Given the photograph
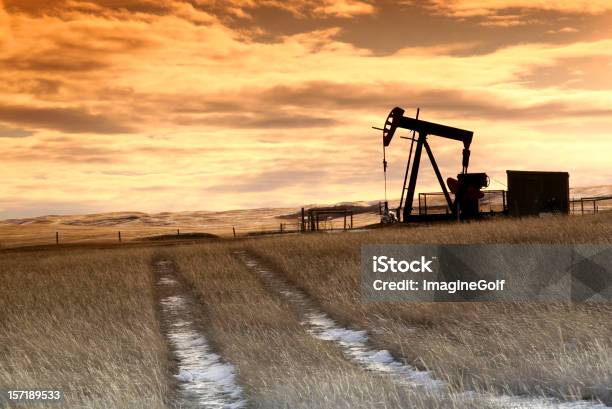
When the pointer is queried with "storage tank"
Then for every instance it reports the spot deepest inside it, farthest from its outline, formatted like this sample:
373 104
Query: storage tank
531 193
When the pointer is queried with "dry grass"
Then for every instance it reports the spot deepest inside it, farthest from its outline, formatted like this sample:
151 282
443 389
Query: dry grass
83 322
281 365
555 349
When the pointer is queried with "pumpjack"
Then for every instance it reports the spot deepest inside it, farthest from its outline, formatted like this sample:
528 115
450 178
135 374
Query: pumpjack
466 188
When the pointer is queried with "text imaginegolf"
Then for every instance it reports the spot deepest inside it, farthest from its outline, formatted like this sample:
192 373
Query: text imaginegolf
450 287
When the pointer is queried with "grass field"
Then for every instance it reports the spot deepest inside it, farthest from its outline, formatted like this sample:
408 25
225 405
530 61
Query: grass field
555 349
281 365
85 320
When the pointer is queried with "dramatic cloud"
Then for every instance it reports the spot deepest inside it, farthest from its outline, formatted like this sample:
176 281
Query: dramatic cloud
344 8
469 8
191 104
6 132
273 180
451 102
572 73
71 120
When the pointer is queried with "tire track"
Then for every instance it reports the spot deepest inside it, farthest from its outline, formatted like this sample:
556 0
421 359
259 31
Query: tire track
204 380
355 345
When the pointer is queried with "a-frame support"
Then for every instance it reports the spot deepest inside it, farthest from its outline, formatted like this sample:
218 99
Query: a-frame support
422 142
413 176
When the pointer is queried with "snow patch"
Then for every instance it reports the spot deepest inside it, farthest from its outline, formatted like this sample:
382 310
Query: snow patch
204 379
352 342
167 281
354 345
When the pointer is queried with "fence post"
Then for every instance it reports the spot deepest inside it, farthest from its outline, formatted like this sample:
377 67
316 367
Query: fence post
56 237
178 232
234 230
281 228
119 235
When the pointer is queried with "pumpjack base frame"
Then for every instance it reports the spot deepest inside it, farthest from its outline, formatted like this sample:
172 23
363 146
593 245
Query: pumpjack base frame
439 217
416 218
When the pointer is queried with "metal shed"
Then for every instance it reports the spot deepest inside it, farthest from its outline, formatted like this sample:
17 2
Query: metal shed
531 193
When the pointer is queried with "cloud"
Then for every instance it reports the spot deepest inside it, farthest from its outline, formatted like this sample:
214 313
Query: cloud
8 132
392 26
344 8
249 97
125 173
564 30
457 103
471 8
197 11
34 208
126 159
49 63
262 120
69 153
309 8
269 180
586 73
57 7
70 120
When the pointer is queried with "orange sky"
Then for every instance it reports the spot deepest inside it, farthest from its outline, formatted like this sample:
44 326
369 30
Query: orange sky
185 105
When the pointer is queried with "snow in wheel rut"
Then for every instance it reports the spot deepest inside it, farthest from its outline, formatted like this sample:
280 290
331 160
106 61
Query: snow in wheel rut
356 347
203 379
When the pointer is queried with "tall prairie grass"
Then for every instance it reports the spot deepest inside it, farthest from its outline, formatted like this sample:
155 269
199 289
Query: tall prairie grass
562 349
83 322
280 364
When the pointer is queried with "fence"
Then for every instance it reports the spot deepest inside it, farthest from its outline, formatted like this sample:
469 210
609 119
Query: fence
283 228
322 218
494 201
591 205
71 235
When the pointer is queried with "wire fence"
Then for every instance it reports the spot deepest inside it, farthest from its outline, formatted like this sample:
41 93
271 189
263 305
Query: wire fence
591 205
12 236
493 201
429 203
